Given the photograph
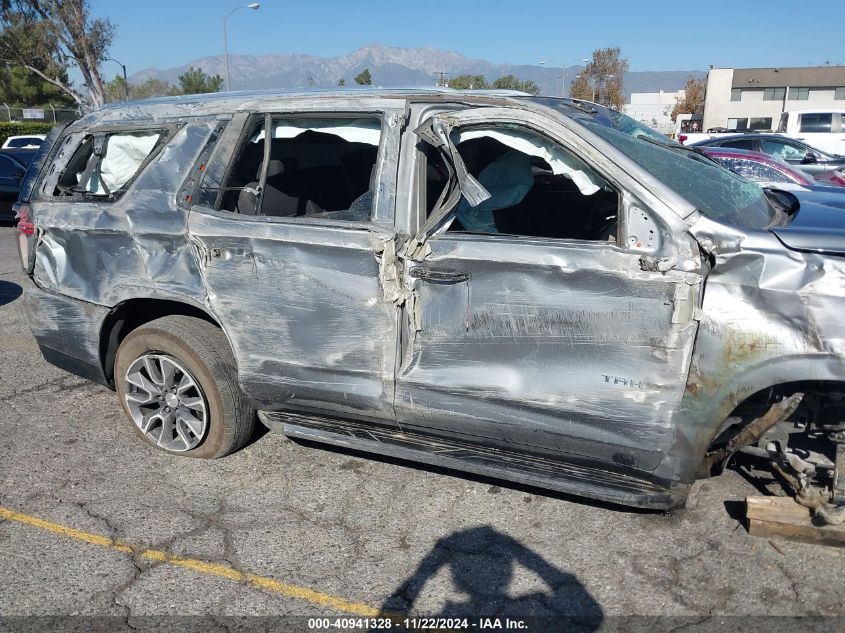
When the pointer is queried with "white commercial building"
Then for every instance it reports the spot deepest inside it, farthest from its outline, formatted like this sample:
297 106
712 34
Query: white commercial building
654 108
754 98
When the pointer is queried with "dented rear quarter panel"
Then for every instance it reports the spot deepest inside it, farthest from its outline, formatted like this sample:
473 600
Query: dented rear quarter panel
108 252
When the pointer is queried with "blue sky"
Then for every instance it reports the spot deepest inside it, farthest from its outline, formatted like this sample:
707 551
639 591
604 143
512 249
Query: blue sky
657 35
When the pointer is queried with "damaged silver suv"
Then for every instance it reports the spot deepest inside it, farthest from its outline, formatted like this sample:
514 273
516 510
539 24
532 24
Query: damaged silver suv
541 290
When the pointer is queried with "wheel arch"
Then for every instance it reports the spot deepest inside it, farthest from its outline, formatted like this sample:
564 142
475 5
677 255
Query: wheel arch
709 403
131 314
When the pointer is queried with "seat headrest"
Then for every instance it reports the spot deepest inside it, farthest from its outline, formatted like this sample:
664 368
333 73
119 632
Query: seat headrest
276 168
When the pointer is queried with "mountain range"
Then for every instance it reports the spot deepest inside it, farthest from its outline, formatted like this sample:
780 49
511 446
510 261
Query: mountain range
393 67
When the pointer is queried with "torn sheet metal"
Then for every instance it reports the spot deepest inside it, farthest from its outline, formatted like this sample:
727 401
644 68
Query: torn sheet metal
390 268
770 316
436 131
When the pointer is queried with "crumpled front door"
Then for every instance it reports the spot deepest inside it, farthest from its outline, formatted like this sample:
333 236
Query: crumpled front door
547 345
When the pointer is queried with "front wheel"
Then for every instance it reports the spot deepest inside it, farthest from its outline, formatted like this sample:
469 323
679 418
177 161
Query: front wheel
177 382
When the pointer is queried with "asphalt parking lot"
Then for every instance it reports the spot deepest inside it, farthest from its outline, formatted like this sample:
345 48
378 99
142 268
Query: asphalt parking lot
94 523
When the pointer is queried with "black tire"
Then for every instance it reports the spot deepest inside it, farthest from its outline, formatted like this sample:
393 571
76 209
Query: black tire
203 350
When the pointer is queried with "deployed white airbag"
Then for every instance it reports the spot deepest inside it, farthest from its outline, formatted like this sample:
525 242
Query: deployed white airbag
124 155
559 160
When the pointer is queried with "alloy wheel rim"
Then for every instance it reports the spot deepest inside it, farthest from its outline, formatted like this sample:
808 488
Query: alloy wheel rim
166 402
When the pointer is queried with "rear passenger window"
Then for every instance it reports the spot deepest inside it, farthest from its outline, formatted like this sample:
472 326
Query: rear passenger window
105 163
313 167
816 122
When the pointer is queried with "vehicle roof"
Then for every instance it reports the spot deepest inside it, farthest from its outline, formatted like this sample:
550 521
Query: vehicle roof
363 91
219 102
215 104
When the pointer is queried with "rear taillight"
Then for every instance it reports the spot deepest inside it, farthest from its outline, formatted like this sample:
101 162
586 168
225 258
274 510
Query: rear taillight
27 236
25 226
682 139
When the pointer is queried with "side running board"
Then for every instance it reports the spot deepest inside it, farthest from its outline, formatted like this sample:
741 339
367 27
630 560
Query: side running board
566 477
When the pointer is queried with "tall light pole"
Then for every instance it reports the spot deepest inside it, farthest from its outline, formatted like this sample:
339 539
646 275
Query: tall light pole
543 62
125 81
252 5
603 79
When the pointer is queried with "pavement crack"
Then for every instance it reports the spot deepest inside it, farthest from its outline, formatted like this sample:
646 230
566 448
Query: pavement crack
686 625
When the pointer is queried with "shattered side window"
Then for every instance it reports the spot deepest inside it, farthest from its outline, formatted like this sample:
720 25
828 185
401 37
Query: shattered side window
714 190
321 167
105 163
536 188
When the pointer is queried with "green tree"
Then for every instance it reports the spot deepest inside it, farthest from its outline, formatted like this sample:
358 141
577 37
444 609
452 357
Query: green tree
468 82
603 78
21 87
693 100
151 88
341 82
116 89
511 82
47 36
144 90
194 81
580 88
364 78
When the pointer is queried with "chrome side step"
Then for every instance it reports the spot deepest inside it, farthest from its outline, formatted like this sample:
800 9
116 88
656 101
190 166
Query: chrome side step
567 477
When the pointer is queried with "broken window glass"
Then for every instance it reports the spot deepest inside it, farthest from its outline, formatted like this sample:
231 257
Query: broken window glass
714 190
315 167
105 163
537 188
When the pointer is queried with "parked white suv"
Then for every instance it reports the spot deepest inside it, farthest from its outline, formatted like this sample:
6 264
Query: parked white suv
824 129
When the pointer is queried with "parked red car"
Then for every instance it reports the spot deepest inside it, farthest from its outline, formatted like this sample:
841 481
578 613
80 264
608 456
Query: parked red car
834 177
758 167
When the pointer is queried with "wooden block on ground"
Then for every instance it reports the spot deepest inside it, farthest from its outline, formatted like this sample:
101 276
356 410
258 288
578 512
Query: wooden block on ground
786 518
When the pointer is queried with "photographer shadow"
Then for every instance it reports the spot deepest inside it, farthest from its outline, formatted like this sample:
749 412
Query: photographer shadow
9 292
482 564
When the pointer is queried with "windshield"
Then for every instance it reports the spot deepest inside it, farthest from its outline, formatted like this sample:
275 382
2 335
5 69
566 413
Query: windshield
713 189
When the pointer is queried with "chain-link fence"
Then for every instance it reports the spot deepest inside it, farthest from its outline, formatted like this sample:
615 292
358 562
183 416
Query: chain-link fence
41 114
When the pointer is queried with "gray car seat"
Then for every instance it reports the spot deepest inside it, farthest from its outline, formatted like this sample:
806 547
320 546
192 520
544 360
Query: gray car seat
275 202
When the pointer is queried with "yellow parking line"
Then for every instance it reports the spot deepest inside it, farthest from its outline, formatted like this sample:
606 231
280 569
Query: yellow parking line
203 567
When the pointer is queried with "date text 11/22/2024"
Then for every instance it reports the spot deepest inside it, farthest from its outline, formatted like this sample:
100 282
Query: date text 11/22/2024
415 624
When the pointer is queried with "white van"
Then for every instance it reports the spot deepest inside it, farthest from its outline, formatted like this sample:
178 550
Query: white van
823 129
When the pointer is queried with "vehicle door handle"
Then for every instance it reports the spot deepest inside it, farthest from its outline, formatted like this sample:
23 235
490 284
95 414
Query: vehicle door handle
435 275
